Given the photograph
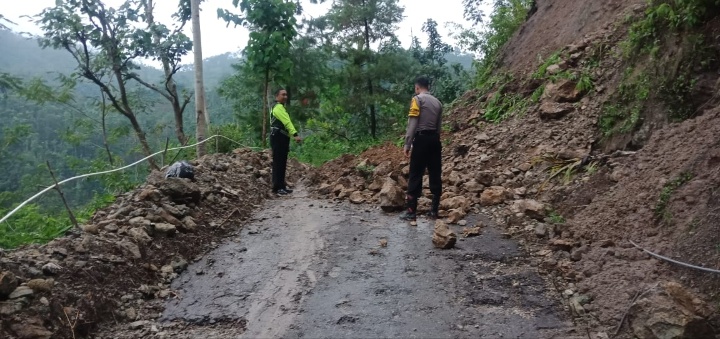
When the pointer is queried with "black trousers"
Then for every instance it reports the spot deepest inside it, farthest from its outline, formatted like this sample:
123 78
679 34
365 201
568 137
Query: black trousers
426 153
280 144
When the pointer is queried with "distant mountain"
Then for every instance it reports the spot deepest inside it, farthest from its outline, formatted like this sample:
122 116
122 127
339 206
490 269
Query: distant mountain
23 57
463 59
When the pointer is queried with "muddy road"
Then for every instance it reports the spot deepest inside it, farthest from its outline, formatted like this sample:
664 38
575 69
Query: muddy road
306 268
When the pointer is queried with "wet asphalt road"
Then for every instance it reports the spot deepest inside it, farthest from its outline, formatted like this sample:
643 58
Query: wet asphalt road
307 268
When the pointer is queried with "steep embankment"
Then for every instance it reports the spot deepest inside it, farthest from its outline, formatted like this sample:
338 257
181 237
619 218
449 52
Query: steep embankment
598 130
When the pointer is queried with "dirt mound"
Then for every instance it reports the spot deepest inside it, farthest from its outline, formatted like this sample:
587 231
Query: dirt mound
558 23
131 250
361 175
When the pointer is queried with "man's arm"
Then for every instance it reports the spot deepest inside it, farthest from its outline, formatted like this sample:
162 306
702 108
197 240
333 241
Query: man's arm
413 121
281 114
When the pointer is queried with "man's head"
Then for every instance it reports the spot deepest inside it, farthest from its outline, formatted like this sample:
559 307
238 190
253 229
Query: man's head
281 96
422 84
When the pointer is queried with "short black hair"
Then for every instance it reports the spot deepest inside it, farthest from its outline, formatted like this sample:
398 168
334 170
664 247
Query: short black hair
277 91
423 82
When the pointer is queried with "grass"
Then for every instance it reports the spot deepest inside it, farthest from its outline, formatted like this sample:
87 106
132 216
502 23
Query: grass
623 115
542 70
366 170
30 225
555 218
661 208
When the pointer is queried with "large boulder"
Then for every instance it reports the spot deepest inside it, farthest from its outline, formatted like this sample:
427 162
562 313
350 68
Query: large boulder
493 196
564 90
532 208
392 197
551 110
180 190
670 311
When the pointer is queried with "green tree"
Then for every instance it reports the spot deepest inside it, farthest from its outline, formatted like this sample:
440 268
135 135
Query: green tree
105 45
358 24
169 46
436 48
272 26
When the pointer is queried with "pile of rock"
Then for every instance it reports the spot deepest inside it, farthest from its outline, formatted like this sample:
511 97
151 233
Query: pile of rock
130 251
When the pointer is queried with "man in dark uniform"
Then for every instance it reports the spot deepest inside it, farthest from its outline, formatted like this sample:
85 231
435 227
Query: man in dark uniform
281 128
423 147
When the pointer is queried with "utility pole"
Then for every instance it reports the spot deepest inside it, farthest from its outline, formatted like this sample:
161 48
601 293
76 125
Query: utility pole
201 114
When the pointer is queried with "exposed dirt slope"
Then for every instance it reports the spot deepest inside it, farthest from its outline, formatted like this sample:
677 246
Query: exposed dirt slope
557 23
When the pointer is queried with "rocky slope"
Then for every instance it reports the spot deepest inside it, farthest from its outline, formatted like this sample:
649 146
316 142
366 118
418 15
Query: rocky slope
129 253
577 190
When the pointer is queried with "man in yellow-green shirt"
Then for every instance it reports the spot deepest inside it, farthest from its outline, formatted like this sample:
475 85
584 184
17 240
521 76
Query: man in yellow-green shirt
281 129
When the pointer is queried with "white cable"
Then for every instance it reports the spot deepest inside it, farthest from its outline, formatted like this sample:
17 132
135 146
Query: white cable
108 171
675 261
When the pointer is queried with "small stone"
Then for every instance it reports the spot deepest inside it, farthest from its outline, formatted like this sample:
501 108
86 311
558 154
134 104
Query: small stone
8 283
130 313
10 307
541 230
607 243
51 268
462 222
165 229
138 324
189 224
443 237
41 285
92 229
21 291
357 197
471 232
179 265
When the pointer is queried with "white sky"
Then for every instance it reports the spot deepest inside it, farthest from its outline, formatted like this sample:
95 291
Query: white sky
219 39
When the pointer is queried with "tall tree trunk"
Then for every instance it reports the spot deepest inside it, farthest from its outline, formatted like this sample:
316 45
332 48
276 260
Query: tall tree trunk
104 129
202 116
170 85
143 140
373 117
128 113
265 107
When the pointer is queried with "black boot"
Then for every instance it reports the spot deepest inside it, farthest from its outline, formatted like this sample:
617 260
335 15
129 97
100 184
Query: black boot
410 209
435 207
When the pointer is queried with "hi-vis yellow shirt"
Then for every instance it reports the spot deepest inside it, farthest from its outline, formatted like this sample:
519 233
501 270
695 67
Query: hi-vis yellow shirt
282 115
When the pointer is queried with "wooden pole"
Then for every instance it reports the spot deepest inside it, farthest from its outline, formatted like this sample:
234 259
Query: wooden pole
62 196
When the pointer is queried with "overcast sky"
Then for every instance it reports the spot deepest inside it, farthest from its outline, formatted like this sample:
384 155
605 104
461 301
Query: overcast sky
218 39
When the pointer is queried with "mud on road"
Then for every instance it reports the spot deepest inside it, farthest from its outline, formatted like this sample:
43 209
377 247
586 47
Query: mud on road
306 268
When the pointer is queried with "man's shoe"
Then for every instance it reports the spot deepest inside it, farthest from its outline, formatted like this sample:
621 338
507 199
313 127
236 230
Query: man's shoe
409 216
432 215
282 191
288 190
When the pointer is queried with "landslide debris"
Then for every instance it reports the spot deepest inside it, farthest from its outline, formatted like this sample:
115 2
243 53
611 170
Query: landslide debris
129 252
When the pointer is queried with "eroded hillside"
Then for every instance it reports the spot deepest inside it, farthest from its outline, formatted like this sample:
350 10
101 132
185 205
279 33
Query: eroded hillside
596 132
